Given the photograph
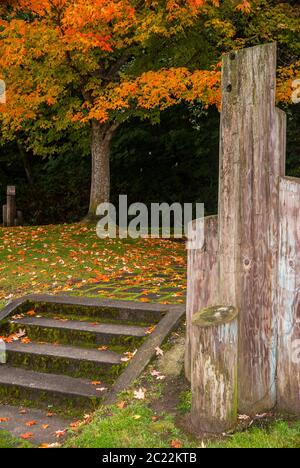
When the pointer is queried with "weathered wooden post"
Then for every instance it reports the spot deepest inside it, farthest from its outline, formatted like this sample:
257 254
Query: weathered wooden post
252 159
288 367
251 256
202 281
4 215
11 210
10 215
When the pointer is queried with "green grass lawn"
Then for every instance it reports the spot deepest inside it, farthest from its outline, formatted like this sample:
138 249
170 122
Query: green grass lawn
7 441
280 434
136 426
132 427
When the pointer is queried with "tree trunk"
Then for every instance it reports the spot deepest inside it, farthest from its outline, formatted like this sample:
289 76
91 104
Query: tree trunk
100 148
26 164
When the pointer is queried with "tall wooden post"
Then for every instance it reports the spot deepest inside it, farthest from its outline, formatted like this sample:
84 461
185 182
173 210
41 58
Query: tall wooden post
251 161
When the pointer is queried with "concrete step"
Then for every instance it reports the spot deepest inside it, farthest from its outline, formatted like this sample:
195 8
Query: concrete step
70 360
135 313
46 388
48 329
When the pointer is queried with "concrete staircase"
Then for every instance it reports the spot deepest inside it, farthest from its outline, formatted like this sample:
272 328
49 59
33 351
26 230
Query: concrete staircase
76 352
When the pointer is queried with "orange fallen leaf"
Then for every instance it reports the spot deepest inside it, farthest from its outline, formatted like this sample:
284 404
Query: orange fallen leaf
176 444
31 423
45 426
121 405
59 434
30 313
4 420
150 330
25 340
26 436
74 425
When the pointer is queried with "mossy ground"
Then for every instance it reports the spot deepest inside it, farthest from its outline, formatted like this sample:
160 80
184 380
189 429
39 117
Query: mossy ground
72 259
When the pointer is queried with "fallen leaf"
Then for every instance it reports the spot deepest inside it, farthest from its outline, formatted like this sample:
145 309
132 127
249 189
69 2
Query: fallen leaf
30 423
176 444
139 394
25 340
31 313
26 436
87 418
263 415
128 356
243 417
74 425
158 375
59 434
46 446
122 404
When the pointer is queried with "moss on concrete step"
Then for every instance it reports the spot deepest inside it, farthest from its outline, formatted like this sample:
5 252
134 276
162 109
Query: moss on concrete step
65 360
30 388
64 332
114 311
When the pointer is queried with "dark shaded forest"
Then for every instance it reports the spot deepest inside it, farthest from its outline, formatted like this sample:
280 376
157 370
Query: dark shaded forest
174 161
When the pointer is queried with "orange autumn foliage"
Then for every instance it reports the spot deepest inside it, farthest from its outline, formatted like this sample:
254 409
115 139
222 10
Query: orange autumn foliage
69 43
50 47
